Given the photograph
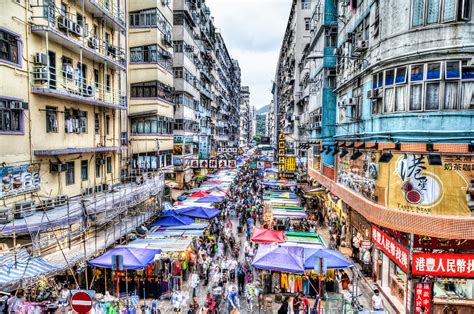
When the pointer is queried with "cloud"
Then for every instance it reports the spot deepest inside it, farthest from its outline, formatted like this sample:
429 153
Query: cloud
253 31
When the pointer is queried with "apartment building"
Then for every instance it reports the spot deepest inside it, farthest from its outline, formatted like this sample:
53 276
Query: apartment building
399 166
63 130
244 116
150 77
289 99
206 88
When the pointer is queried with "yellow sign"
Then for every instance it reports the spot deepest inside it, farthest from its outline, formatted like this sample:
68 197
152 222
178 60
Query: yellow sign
290 163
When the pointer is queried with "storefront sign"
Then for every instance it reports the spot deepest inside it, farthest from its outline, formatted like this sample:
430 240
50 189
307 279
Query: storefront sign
267 164
427 242
394 251
212 163
290 163
281 153
253 164
408 182
443 264
422 298
19 179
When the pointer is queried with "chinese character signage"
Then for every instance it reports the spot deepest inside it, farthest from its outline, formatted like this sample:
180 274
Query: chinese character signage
409 183
213 163
203 164
232 164
19 179
222 163
427 242
194 163
443 264
396 252
290 163
422 298
267 165
253 164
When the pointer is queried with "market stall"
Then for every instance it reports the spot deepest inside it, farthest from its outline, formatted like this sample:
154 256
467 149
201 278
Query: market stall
262 235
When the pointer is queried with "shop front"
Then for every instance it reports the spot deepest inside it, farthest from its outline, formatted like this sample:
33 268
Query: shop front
450 277
390 260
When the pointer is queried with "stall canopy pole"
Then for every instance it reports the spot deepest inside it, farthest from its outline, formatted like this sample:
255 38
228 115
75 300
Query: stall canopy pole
319 287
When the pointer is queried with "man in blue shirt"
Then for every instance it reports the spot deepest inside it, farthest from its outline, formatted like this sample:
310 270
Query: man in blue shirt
233 299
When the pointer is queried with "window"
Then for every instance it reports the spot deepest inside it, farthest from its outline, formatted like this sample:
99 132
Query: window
84 170
9 47
150 18
107 125
75 121
70 173
96 79
11 120
401 76
305 4
389 77
63 10
432 96
152 125
51 120
97 168
451 95
428 12
97 123
151 54
433 71
416 92
151 89
109 164
416 72
453 70
307 24
107 82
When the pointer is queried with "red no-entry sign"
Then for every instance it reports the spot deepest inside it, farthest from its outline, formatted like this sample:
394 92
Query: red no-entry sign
81 302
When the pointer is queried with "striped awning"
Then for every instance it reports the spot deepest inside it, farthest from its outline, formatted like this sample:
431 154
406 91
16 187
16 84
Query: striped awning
26 268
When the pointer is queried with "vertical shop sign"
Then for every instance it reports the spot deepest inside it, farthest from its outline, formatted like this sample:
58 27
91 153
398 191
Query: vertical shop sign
422 298
393 249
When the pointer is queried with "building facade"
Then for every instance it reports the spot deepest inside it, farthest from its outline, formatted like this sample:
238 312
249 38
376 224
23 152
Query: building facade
206 88
150 78
245 119
394 148
64 106
289 92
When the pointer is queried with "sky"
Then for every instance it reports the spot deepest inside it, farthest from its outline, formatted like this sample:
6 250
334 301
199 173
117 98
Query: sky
253 32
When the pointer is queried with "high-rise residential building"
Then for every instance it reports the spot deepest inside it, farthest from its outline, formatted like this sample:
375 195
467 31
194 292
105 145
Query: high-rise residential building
63 130
150 77
290 98
245 119
206 88
399 171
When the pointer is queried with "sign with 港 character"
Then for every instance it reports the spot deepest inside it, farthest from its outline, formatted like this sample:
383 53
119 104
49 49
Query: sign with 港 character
232 164
222 163
212 164
443 265
422 298
203 163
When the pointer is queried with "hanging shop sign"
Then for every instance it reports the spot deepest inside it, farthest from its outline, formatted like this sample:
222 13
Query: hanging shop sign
19 179
408 182
422 298
213 163
227 149
393 249
443 264
290 163
267 165
281 152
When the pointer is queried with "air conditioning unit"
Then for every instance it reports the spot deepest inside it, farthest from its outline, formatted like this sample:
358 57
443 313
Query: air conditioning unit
18 105
68 71
351 102
88 91
361 45
165 2
57 167
350 37
167 39
373 94
64 23
5 215
46 204
40 74
93 42
317 124
99 188
24 209
76 29
100 161
88 191
196 128
341 104
167 54
61 200
41 59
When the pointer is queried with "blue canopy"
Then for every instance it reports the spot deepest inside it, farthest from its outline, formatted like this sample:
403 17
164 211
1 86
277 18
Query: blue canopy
199 212
171 219
279 258
210 199
133 258
334 259
271 171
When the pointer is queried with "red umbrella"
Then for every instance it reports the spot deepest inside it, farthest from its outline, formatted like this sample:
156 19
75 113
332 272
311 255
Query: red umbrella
199 194
261 235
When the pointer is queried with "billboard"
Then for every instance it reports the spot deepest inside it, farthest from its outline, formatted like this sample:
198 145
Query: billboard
408 182
19 179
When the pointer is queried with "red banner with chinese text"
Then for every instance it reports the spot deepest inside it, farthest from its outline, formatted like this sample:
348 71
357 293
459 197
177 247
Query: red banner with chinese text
443 264
422 298
393 249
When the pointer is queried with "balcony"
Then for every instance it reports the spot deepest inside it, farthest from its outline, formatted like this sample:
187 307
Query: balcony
65 31
110 10
67 84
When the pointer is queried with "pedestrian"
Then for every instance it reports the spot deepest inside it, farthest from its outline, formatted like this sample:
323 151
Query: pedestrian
233 300
284 306
240 277
296 304
377 302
